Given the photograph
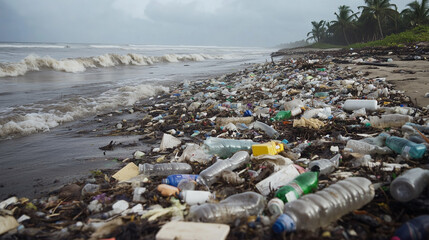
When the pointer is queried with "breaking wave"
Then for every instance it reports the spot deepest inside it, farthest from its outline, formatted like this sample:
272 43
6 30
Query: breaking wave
41 117
75 65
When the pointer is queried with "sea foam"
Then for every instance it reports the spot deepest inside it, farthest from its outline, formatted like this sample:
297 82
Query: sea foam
75 65
25 120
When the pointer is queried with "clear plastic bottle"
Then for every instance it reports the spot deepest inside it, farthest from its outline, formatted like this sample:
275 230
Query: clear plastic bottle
357 146
164 169
325 166
380 140
421 128
389 120
316 210
225 148
405 147
226 211
186 184
174 179
271 132
409 185
414 229
211 174
224 121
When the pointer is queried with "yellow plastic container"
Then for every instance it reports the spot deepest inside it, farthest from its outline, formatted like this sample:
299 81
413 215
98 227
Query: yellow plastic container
270 148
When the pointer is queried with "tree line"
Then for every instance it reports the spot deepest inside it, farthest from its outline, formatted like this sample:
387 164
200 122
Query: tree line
375 20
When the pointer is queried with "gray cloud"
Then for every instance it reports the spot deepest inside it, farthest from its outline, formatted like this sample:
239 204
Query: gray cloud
193 22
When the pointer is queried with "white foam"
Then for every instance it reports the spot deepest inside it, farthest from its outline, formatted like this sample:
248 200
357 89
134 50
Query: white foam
75 65
30 46
26 120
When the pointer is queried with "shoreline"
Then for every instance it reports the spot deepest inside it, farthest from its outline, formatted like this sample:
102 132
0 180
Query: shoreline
177 107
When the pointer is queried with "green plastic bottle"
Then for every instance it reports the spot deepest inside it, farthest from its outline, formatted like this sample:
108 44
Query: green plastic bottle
281 115
303 184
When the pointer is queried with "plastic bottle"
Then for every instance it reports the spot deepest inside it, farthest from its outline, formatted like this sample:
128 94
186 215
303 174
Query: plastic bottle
423 129
389 120
414 229
282 115
275 206
321 94
195 197
186 184
224 121
225 148
405 147
355 104
380 140
211 174
303 184
226 211
320 209
325 166
174 180
409 185
270 148
271 132
277 179
362 147
164 169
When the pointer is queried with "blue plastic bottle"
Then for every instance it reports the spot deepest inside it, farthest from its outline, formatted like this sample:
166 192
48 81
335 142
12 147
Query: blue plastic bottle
174 180
415 229
405 147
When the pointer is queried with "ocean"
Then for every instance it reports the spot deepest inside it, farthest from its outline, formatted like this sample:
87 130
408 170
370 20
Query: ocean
51 92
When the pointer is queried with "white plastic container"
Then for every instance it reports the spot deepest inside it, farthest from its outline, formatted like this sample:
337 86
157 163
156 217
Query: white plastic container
192 197
277 179
355 104
409 185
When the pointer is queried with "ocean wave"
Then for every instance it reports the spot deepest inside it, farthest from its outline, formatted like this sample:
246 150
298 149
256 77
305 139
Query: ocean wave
25 120
75 65
31 46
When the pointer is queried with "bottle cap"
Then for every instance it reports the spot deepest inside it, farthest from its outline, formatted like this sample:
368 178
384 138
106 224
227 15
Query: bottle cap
284 223
165 181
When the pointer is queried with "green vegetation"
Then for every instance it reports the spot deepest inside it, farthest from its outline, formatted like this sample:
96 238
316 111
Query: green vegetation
418 34
377 19
320 45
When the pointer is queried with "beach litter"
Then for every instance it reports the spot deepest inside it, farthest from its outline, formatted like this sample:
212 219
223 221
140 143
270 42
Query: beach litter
247 164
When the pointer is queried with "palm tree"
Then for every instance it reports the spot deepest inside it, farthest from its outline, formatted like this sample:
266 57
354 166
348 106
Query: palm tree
416 13
318 32
379 9
344 20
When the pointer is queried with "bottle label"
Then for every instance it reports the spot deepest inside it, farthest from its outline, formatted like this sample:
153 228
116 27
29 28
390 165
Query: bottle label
290 196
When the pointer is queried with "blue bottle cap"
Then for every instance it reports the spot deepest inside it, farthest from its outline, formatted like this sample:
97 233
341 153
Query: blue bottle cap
165 181
284 223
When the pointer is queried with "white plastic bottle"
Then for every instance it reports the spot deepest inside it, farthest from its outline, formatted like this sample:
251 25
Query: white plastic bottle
325 166
355 104
164 169
226 211
277 179
410 184
192 197
319 209
211 174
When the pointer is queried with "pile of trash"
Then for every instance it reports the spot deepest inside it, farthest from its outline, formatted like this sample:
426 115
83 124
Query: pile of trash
306 148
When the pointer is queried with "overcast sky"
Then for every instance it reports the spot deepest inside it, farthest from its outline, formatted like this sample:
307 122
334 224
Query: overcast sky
263 23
